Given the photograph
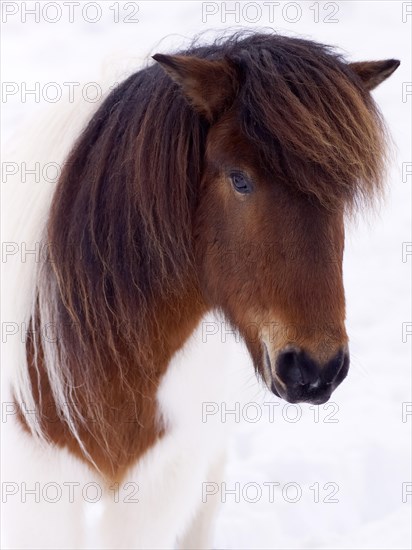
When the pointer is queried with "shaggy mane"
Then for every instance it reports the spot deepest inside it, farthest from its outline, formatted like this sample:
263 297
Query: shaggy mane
317 127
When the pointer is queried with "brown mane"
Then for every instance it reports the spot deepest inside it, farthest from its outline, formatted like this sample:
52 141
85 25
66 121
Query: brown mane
121 226
321 121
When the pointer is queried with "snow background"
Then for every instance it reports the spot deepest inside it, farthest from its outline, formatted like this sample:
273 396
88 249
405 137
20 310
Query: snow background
367 452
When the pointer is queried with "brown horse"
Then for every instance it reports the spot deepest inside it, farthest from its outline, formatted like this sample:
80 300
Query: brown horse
215 179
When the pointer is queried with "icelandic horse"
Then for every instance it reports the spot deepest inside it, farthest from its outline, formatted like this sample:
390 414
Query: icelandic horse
215 180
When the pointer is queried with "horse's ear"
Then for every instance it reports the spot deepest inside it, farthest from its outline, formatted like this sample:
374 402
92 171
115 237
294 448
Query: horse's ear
210 86
372 73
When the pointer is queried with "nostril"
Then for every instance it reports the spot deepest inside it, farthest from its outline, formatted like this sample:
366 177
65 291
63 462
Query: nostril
344 369
288 369
294 367
336 369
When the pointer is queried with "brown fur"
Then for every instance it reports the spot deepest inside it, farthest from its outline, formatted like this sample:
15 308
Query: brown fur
147 233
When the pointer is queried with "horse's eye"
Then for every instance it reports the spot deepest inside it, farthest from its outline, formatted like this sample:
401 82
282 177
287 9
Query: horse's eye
241 182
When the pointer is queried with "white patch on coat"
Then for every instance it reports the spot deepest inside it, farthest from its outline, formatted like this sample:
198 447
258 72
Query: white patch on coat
168 479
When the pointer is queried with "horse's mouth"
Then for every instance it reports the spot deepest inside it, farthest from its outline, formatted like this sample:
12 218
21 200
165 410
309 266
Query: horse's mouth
302 394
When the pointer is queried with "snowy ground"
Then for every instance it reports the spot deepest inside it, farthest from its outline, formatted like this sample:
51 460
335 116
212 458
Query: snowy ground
359 445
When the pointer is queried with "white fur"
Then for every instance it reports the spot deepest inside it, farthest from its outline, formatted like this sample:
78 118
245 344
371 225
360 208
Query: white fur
169 478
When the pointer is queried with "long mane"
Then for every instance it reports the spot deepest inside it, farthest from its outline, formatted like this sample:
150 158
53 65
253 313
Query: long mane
119 231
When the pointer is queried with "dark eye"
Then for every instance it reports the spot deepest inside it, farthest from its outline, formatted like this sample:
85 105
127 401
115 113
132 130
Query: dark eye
241 182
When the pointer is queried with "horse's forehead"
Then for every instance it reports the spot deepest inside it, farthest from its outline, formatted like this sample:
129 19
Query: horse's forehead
228 142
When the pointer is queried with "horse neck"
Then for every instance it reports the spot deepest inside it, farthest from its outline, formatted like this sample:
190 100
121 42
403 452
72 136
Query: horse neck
172 322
